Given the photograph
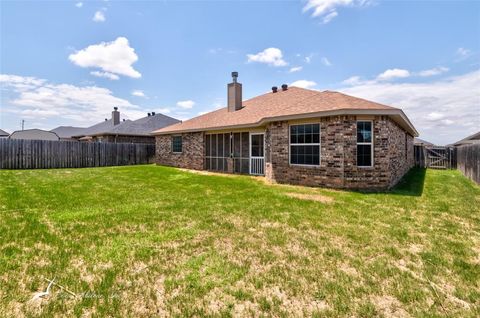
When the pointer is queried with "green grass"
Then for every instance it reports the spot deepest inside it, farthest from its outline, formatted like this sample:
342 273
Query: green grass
144 241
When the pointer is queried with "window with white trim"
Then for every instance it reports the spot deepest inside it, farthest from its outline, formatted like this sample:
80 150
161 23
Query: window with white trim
305 144
364 144
177 144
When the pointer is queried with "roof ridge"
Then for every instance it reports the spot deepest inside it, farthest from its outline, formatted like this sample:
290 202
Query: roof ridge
294 104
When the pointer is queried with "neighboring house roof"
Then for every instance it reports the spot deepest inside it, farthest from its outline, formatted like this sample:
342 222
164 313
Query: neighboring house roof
418 141
294 103
67 131
101 127
34 134
140 127
3 133
472 139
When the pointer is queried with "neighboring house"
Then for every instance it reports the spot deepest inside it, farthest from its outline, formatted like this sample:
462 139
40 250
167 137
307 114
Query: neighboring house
421 142
3 134
473 139
296 136
34 134
67 132
127 131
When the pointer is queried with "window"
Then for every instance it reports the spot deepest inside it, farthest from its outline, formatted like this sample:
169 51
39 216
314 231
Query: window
305 144
364 144
177 144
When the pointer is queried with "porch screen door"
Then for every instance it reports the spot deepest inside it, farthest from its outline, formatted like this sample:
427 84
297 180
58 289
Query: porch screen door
257 157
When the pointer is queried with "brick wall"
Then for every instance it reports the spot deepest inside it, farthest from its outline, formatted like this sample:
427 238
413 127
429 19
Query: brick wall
330 171
338 154
400 152
192 155
338 164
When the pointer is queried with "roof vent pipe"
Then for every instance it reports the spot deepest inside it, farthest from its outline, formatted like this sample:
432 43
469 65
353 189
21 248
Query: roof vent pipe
153 113
274 89
284 87
148 114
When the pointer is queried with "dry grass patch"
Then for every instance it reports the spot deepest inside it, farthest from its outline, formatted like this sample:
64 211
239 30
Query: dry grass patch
310 197
389 306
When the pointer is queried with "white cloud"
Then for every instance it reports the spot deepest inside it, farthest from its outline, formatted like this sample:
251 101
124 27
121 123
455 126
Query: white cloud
432 106
163 110
108 75
326 62
271 56
20 82
353 80
186 104
308 58
138 93
304 84
435 116
462 54
433 71
327 10
329 17
62 104
79 4
99 16
295 69
392 74
114 57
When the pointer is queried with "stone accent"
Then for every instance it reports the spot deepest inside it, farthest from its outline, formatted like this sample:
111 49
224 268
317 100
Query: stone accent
193 151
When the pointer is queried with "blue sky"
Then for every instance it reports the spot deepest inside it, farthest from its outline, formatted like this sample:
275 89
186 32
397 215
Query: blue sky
69 63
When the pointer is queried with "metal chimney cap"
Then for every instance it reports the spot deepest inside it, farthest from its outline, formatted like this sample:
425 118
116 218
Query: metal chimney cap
149 114
115 108
153 113
234 74
274 89
284 87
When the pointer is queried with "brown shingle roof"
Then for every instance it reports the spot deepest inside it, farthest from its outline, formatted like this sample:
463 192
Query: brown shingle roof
293 102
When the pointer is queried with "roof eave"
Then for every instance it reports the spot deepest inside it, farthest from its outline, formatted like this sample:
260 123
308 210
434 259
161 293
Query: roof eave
404 121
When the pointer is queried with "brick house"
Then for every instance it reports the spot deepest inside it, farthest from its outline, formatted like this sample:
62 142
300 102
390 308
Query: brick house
296 136
125 131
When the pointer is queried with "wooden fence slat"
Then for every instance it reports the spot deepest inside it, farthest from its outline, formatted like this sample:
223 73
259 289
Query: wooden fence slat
468 161
46 154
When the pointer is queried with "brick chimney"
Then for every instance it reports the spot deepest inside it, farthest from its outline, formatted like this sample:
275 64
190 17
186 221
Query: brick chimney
234 94
115 116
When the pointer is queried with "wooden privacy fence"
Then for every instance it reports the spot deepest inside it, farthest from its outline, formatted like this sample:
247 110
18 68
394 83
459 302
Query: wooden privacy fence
468 161
44 154
438 157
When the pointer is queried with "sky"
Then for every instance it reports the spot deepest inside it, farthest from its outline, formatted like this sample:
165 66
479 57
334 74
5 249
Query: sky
70 62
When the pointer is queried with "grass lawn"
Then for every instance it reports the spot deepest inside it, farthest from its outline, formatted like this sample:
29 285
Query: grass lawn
146 241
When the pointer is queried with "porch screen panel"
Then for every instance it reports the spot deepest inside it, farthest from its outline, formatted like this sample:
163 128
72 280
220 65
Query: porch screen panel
241 152
217 148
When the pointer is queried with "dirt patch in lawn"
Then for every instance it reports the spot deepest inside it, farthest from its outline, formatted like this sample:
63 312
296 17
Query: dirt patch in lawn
389 306
208 173
310 197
